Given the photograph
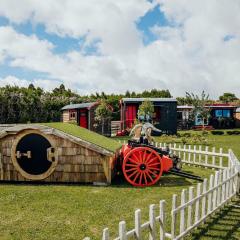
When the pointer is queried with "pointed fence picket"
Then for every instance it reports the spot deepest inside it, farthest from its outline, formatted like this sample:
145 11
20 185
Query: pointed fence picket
196 205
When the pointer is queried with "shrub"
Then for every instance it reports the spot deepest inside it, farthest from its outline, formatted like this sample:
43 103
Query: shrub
186 135
236 132
217 132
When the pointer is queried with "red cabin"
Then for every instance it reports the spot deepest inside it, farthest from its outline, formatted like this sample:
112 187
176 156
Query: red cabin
82 114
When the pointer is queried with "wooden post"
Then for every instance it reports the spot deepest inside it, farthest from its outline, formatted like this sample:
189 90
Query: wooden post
162 219
210 194
204 197
194 154
219 188
152 220
206 156
220 158
215 191
224 186
200 154
227 183
105 235
190 197
122 230
189 153
197 202
184 153
213 157
138 230
182 211
174 216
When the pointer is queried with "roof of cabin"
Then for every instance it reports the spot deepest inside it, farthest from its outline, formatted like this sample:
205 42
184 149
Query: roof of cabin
134 100
79 135
79 105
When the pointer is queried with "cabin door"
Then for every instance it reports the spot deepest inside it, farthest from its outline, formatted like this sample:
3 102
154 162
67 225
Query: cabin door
33 156
83 118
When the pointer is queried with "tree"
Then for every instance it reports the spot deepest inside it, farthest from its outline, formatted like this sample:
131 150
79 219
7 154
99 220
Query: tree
228 97
199 106
103 113
146 109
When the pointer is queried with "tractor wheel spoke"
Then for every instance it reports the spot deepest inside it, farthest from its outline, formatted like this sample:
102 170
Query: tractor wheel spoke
133 160
132 174
131 165
154 164
149 176
132 169
136 176
145 178
152 173
140 179
153 168
152 159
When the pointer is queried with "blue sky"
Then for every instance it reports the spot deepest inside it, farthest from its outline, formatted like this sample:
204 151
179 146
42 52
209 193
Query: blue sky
115 46
65 44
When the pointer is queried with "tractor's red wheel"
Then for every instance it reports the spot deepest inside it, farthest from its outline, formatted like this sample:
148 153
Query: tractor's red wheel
142 166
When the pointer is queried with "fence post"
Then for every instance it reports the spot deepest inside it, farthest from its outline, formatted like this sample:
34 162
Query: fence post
206 156
182 211
210 194
194 154
152 220
105 235
224 186
213 157
215 190
200 154
197 202
204 197
184 153
220 158
220 176
190 197
138 230
227 183
122 230
189 154
174 216
162 219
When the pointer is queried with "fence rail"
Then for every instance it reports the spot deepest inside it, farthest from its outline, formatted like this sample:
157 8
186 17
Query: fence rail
196 205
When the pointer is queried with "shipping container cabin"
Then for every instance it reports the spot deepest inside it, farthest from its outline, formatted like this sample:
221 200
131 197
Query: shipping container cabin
164 117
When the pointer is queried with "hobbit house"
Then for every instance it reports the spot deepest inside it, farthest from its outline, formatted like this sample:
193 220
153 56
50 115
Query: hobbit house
52 154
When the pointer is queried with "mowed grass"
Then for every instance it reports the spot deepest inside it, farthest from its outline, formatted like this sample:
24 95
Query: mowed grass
76 211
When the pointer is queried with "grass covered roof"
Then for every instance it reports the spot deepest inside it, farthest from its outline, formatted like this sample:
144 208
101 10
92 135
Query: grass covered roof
86 135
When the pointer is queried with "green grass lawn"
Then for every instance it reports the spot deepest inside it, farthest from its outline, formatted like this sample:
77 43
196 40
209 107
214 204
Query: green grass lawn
76 211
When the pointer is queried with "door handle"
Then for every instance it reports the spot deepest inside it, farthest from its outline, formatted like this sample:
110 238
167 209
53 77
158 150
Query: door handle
28 154
51 154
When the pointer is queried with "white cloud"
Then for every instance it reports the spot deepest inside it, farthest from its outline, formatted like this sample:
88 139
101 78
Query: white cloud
189 55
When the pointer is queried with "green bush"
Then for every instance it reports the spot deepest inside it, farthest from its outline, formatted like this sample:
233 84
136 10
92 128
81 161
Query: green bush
236 132
217 132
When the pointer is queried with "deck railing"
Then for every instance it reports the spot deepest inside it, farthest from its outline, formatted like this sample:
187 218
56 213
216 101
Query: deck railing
196 205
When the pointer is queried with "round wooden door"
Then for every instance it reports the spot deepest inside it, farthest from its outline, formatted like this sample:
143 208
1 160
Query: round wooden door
34 157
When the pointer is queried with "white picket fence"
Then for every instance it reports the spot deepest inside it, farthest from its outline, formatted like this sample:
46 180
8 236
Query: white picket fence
196 205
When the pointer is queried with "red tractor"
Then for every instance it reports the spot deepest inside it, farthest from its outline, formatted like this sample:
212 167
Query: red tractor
143 164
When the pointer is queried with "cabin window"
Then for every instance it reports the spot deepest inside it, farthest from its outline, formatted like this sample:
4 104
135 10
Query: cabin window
222 113
72 115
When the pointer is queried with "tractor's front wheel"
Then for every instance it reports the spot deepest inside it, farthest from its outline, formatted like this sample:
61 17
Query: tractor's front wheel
142 166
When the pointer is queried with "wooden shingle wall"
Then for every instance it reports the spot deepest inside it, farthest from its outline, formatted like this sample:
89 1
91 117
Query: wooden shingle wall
75 163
